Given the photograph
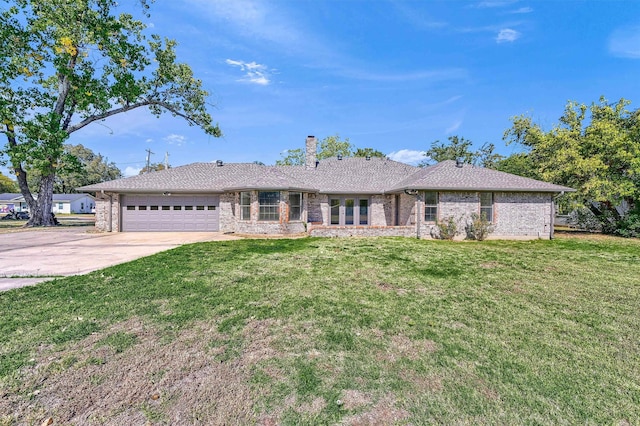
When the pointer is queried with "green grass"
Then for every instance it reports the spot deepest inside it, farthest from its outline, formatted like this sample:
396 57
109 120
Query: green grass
497 332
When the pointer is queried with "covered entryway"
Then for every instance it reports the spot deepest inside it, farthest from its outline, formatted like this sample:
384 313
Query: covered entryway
170 213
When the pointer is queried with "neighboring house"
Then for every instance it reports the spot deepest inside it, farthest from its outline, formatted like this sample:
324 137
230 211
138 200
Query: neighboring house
62 203
333 197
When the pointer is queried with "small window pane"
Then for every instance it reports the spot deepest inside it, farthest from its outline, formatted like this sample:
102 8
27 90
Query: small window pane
177 207
431 198
142 207
348 211
430 206
295 206
199 207
335 212
154 207
211 207
245 206
166 207
131 207
188 207
364 212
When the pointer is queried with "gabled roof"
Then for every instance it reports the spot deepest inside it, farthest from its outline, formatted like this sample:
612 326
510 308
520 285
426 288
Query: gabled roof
352 175
9 196
447 175
205 177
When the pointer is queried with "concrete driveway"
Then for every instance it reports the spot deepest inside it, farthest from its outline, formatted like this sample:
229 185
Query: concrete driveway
35 255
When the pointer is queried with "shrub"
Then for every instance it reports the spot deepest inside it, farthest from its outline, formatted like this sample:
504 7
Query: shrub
629 226
447 229
479 227
583 218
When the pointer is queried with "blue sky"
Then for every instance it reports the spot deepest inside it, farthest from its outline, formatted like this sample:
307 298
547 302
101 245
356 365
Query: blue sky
391 75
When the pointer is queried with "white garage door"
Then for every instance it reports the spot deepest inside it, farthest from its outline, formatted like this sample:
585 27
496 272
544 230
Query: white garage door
170 213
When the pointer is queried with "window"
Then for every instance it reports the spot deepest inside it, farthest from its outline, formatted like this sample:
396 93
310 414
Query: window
199 207
142 207
245 206
486 205
211 207
269 205
364 211
61 206
295 206
131 207
349 211
430 206
154 207
335 211
166 207
177 207
188 207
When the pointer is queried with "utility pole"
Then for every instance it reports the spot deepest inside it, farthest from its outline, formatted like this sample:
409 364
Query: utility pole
149 159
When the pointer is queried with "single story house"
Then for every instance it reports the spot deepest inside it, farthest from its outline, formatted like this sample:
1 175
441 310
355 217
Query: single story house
62 203
334 197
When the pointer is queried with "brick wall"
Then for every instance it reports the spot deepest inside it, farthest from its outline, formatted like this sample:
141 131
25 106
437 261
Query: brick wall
523 214
255 226
102 212
228 209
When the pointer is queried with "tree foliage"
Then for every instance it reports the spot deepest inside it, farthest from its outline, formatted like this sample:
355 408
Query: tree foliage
7 184
65 64
331 146
79 166
153 167
459 149
594 149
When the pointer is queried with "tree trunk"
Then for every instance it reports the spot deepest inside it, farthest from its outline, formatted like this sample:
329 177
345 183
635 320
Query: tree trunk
40 210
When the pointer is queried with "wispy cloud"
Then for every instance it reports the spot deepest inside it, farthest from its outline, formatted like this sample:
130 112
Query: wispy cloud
507 35
174 139
625 42
494 3
455 126
408 156
520 11
254 73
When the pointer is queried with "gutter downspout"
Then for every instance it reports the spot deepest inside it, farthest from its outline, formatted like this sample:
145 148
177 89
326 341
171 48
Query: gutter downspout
553 213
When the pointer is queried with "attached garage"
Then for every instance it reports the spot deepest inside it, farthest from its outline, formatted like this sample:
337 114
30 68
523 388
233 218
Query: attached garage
170 213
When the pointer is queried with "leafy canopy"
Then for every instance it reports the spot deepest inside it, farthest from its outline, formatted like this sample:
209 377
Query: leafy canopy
65 64
459 149
331 146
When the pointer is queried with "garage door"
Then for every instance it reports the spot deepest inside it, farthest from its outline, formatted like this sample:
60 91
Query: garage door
170 213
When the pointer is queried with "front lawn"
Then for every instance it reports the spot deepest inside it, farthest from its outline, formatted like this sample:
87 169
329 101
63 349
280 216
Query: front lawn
333 331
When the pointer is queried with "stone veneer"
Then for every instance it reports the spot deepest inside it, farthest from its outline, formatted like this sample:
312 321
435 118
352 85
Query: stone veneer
104 222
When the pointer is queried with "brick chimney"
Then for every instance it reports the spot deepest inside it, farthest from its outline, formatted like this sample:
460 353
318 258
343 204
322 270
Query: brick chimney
311 149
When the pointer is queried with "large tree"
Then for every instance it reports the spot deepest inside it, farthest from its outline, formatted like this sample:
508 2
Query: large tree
594 149
79 166
65 64
460 149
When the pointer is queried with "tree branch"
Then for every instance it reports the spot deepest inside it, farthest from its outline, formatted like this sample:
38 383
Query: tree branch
126 108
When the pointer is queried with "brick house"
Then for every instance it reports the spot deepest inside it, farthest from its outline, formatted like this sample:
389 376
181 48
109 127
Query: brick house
333 197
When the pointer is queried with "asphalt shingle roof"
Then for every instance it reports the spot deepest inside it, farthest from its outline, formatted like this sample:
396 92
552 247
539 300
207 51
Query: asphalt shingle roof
446 175
332 176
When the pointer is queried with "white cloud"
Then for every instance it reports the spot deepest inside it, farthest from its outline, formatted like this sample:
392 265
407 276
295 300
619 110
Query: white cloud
131 171
507 35
494 3
455 126
149 140
254 72
625 42
408 156
174 139
522 10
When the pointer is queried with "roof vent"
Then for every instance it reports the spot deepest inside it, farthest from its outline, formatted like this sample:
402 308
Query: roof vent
368 157
219 163
459 163
339 157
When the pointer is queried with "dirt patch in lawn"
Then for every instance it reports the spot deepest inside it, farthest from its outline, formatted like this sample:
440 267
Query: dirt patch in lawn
175 380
